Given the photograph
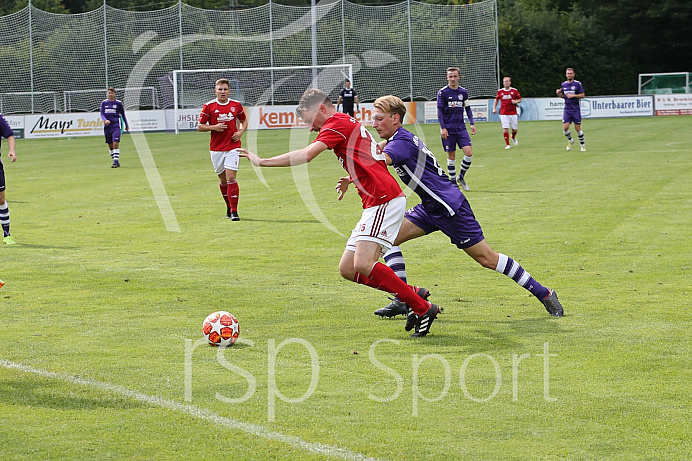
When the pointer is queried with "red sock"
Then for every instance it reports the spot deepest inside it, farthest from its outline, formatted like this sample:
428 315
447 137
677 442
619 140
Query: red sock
506 135
224 193
386 280
363 280
233 195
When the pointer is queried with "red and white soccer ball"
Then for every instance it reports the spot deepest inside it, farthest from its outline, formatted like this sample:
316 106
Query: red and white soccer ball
220 328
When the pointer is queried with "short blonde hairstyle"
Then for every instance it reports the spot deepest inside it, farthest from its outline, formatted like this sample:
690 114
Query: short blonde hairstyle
391 105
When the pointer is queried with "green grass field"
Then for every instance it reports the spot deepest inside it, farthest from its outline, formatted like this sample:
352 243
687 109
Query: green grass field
102 304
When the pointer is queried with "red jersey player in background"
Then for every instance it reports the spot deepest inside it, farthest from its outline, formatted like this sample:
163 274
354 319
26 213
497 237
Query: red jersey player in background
220 116
383 201
509 98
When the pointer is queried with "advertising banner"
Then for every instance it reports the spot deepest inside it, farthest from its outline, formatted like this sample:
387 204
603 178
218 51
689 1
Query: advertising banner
479 109
673 104
187 119
542 108
90 124
526 110
16 122
87 124
273 117
62 125
146 120
591 107
617 106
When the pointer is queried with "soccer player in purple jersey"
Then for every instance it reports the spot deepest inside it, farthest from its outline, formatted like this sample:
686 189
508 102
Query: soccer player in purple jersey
111 111
7 133
443 207
572 91
452 102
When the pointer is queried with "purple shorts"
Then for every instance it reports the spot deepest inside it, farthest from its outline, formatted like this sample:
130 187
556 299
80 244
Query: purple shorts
2 178
572 116
112 134
453 140
462 228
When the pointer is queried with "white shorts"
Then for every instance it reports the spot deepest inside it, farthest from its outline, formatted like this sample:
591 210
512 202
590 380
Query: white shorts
379 224
510 121
224 160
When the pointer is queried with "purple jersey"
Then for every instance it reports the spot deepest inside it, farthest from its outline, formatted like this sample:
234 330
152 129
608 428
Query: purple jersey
418 168
112 111
571 104
451 105
5 130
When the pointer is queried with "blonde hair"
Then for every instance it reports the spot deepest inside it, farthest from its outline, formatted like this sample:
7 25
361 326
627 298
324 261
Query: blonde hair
391 105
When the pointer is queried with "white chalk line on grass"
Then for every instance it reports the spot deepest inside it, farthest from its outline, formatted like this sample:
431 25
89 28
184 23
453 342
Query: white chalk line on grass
155 183
196 412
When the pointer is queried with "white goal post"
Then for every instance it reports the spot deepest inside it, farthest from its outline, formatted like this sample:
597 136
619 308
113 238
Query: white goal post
253 86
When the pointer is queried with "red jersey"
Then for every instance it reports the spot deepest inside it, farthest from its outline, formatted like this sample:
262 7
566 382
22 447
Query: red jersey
505 97
214 112
356 149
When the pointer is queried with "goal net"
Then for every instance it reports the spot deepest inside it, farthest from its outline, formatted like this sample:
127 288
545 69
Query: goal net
182 89
401 49
26 102
665 83
145 98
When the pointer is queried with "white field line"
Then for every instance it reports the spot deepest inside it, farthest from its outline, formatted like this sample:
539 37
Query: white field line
194 411
155 183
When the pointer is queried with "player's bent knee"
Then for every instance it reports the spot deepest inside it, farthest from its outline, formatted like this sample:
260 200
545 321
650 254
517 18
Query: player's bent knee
348 276
347 272
362 267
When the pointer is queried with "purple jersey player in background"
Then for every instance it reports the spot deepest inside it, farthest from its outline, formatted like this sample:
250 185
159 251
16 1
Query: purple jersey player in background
452 102
111 111
572 91
7 133
443 207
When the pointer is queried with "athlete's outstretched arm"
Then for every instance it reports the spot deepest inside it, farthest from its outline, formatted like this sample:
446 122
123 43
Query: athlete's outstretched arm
296 157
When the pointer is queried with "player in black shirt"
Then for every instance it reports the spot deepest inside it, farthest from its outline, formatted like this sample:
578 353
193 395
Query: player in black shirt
348 96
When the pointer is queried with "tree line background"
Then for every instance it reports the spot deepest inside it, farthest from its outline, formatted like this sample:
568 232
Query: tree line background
607 43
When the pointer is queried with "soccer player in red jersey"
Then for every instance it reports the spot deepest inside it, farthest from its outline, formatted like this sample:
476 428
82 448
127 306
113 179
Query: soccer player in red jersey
383 201
221 116
509 98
